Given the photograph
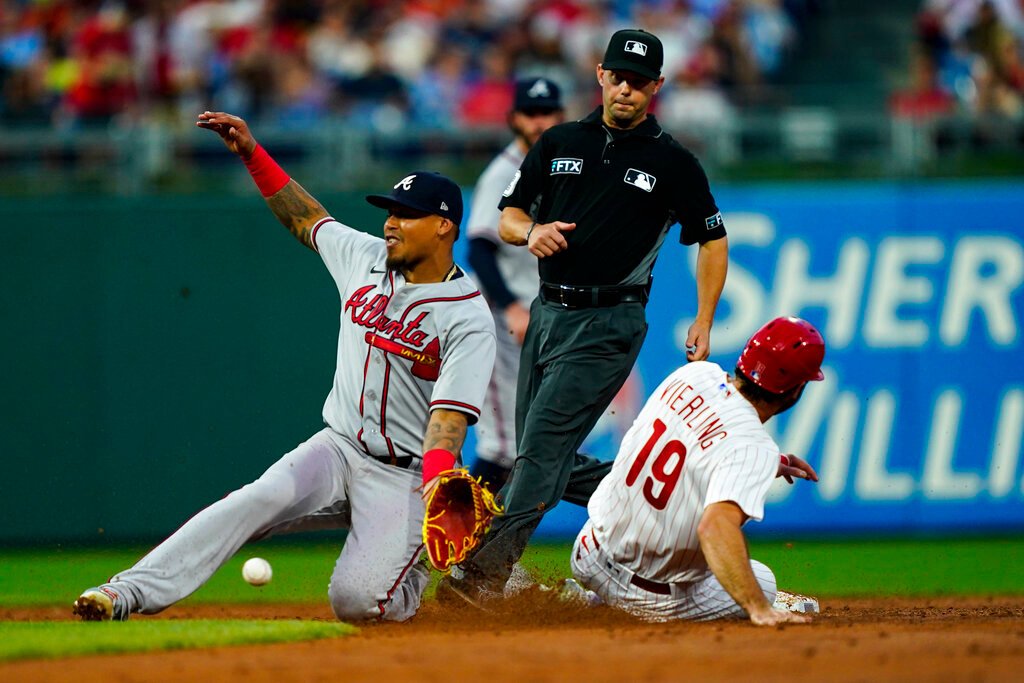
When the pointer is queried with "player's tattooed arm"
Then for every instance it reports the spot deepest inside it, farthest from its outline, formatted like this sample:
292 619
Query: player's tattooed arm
297 211
446 429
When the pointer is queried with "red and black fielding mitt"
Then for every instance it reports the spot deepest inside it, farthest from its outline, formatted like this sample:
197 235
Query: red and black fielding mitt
459 513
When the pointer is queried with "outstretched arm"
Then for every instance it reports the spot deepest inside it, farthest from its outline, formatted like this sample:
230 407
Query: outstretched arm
725 549
293 206
712 264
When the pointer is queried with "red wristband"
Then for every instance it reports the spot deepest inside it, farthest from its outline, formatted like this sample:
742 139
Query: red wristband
269 177
435 461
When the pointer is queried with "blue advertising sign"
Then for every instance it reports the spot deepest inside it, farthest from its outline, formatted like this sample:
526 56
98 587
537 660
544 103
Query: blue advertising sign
917 289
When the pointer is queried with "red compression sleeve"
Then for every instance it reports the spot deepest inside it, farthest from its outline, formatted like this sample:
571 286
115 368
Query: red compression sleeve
269 177
435 461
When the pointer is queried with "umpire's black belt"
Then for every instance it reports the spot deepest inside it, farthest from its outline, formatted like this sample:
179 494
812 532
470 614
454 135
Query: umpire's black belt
569 296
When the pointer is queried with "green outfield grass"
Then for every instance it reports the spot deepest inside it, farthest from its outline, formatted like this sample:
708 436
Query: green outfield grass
22 640
931 567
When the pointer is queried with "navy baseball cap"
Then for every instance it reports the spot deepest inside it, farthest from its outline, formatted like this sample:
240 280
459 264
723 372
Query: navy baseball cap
634 50
537 93
425 191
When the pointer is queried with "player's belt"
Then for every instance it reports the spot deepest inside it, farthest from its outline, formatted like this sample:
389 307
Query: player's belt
651 586
569 296
401 461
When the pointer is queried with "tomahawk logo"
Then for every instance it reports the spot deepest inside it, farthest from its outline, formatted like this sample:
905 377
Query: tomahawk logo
563 166
406 182
636 47
539 89
645 181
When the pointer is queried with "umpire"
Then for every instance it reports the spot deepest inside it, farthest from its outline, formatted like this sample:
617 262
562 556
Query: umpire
593 200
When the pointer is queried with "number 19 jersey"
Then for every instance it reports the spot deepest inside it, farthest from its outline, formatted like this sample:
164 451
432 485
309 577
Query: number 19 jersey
697 441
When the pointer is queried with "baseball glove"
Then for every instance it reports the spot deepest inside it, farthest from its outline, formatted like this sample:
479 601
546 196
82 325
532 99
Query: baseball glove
459 512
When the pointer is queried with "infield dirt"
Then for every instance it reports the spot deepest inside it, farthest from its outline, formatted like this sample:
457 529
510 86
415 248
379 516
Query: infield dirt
534 639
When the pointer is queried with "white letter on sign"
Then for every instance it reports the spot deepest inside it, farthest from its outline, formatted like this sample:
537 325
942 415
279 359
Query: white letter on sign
1006 445
940 482
991 293
891 287
874 481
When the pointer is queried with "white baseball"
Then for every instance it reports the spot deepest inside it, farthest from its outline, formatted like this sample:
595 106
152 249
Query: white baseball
257 572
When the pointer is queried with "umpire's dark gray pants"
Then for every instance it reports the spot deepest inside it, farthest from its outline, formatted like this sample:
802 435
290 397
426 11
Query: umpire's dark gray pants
573 363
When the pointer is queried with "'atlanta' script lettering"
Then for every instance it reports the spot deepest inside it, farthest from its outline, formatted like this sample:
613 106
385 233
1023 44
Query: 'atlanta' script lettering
369 312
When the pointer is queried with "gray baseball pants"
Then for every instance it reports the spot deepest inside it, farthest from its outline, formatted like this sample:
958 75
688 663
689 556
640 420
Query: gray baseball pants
328 482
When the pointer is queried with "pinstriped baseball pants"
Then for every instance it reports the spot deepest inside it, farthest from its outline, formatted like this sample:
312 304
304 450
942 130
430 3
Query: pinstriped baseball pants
700 600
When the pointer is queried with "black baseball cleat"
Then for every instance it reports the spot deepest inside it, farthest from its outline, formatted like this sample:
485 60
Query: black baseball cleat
453 591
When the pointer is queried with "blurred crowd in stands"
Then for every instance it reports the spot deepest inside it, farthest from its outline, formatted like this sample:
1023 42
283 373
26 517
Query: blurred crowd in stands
968 58
387 64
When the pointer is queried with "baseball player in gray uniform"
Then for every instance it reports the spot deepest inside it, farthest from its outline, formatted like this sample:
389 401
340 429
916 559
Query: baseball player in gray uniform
507 275
664 538
415 350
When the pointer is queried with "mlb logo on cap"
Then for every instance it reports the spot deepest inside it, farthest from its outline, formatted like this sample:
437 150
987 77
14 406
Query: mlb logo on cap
634 50
636 47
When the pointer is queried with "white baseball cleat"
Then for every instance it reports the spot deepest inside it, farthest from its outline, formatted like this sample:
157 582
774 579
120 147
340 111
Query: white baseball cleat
573 591
95 604
794 602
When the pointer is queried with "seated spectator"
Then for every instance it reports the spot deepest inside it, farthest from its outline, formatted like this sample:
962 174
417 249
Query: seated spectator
771 34
924 97
302 94
105 84
377 99
437 93
694 104
488 98
336 49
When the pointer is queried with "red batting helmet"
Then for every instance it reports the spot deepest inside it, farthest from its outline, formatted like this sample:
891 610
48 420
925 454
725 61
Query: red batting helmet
783 354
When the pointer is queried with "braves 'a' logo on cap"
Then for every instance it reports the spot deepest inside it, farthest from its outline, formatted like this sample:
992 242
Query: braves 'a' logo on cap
539 89
406 182
636 47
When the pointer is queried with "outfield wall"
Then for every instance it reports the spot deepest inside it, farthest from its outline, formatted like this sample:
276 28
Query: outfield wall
160 352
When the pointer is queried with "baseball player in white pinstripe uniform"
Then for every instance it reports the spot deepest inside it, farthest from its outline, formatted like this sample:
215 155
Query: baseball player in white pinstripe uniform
415 349
664 538
507 275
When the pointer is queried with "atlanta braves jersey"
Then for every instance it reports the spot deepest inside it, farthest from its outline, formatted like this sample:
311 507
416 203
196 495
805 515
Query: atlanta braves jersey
404 349
697 441
517 266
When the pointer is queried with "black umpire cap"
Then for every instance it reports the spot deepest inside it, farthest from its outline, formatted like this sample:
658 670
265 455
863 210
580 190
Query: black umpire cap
634 50
425 191
537 93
